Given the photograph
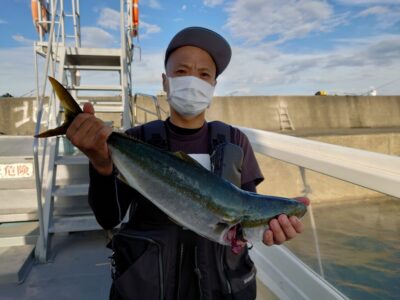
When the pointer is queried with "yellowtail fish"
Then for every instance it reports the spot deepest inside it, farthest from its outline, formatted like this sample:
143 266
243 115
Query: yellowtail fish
188 193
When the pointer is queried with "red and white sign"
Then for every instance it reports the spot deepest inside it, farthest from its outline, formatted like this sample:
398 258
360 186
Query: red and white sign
19 170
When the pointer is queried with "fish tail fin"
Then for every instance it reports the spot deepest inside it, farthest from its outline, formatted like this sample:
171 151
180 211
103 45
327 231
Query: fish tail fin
71 110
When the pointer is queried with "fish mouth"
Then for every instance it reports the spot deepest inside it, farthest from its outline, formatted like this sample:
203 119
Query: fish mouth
235 238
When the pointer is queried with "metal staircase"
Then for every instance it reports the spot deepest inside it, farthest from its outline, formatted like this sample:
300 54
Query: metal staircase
61 170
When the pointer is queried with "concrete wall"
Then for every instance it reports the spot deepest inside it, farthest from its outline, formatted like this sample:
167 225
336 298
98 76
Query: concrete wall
18 115
309 112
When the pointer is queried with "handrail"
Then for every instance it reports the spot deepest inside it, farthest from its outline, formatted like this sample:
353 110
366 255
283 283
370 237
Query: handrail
278 268
288 277
158 112
376 171
38 176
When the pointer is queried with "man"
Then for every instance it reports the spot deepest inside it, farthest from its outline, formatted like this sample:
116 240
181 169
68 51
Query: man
190 267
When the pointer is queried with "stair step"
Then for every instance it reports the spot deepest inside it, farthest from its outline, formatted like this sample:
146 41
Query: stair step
18 233
72 160
92 68
27 215
74 223
108 109
95 88
71 190
100 102
93 56
15 263
18 205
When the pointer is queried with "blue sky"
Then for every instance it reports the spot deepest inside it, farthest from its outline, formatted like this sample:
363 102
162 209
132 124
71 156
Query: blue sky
280 47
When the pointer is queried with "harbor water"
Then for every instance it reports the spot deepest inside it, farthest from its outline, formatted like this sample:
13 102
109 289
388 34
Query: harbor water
359 245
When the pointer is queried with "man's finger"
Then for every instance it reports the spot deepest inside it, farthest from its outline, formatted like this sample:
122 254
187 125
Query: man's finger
297 224
268 237
77 123
287 227
88 108
279 235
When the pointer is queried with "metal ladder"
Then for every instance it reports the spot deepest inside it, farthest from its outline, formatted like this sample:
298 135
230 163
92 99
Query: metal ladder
284 118
61 171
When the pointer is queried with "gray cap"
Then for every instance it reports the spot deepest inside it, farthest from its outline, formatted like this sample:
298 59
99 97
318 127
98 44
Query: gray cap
205 39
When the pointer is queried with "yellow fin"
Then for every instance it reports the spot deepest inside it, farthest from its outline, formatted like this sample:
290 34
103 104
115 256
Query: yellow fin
71 109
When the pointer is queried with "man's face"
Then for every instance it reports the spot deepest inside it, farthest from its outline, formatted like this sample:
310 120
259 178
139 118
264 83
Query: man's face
190 61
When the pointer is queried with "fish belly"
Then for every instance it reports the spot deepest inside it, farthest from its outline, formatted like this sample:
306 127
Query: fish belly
167 194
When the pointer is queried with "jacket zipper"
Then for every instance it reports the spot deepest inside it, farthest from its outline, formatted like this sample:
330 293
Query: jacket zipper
198 272
228 284
182 249
160 266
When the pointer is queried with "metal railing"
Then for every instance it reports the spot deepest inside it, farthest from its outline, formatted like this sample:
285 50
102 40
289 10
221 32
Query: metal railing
376 171
135 108
279 269
53 50
40 165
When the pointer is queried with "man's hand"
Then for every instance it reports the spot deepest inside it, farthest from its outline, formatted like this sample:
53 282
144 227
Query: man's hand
90 134
283 229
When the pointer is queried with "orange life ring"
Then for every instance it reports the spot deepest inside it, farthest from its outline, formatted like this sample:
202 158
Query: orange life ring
36 5
135 18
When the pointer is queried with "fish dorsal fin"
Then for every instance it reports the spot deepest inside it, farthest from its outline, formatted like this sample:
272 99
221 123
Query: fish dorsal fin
185 157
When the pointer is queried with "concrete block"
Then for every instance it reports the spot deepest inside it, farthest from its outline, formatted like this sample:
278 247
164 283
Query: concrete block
15 263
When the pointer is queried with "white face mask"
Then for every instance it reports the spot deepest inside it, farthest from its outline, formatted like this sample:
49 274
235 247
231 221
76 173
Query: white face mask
189 95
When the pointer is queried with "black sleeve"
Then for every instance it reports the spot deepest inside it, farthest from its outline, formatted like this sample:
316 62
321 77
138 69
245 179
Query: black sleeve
109 207
108 197
250 187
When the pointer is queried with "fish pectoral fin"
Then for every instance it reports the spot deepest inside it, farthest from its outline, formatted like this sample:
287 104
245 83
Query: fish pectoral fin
219 227
231 220
185 157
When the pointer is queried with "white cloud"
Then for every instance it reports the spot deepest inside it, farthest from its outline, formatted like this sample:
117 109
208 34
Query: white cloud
184 7
3 21
148 29
353 67
154 4
257 20
368 2
109 18
147 73
375 10
17 70
212 3
21 39
386 16
97 37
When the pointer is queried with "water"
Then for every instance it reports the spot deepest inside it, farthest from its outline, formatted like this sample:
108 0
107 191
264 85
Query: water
360 247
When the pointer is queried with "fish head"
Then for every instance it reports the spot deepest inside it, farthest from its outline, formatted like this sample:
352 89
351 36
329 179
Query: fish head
230 235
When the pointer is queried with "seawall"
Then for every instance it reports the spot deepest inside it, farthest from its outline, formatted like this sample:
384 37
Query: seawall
369 123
